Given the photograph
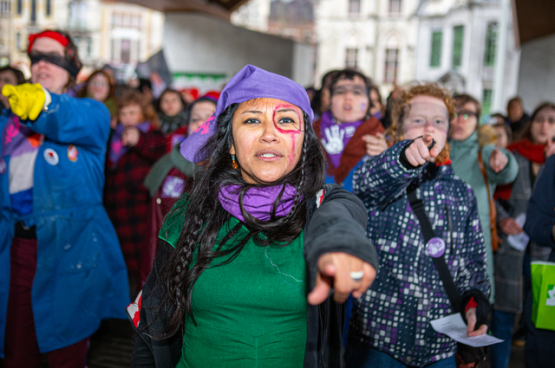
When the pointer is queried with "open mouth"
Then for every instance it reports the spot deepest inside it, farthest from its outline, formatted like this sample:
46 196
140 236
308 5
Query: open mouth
268 155
347 107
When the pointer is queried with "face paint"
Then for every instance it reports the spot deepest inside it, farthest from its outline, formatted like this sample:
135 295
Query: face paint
292 132
363 107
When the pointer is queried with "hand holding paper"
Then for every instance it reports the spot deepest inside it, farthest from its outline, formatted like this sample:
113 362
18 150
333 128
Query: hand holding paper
454 327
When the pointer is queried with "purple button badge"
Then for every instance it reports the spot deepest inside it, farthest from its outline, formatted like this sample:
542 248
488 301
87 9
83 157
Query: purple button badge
435 247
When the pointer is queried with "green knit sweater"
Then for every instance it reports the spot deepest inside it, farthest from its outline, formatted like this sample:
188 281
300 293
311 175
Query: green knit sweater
250 312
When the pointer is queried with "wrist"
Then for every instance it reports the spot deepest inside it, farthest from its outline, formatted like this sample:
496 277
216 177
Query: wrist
47 98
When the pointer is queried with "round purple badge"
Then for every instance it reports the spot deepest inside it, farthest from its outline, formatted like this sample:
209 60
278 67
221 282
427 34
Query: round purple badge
435 247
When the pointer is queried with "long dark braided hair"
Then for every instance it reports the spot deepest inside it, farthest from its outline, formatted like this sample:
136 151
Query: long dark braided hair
205 216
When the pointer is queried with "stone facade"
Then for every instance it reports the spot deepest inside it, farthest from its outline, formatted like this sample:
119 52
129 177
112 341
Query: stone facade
105 32
457 44
377 37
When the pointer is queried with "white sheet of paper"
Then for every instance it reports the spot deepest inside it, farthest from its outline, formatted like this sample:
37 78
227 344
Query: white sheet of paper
454 327
520 241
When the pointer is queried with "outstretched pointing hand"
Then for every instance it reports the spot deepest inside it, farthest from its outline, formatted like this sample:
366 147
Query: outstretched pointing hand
26 100
336 268
419 151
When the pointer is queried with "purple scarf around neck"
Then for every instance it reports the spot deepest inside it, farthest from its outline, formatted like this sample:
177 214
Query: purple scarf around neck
117 150
258 202
336 136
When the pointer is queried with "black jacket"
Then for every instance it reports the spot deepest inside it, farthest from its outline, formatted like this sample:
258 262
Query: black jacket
335 224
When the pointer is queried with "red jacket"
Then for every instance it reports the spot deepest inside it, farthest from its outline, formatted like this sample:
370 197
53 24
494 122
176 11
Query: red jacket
126 199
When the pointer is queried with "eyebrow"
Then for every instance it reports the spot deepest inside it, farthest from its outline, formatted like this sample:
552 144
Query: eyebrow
287 110
251 112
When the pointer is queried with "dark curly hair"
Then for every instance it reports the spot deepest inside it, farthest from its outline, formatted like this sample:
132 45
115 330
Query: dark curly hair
206 217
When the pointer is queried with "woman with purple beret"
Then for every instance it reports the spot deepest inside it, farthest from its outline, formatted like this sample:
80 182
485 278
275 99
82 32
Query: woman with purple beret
248 258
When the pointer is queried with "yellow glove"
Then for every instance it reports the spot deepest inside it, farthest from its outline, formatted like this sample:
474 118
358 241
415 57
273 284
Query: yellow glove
26 100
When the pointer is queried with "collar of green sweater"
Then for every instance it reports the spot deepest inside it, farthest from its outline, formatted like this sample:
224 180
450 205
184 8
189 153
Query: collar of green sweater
467 143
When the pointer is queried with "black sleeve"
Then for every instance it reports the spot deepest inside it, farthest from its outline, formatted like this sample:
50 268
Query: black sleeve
482 309
404 161
148 350
142 356
338 226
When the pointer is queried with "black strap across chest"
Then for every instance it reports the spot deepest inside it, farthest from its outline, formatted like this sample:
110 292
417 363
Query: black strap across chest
428 232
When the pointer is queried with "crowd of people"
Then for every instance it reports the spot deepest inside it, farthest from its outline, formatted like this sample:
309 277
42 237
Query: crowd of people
267 225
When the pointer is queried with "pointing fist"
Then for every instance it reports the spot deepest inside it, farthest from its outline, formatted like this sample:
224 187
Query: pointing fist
26 100
422 149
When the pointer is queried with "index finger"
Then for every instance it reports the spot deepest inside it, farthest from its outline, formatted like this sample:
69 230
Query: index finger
8 90
342 281
427 139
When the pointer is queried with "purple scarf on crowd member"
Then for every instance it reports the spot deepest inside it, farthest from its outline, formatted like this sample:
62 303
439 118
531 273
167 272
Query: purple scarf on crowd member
249 83
258 202
117 150
336 136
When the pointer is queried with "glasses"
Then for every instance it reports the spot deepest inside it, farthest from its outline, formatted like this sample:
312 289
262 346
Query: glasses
465 114
355 90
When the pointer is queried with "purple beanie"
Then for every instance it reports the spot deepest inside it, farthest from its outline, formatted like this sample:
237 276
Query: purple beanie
249 83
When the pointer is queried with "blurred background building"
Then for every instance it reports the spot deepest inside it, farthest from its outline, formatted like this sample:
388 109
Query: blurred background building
376 36
105 32
458 43
466 45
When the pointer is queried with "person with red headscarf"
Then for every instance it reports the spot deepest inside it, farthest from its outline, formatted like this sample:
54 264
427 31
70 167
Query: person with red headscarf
61 268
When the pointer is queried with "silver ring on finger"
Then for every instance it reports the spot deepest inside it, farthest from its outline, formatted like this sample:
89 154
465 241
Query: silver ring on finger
357 275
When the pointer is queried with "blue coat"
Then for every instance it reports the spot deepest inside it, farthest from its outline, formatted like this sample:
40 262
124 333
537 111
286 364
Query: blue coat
540 216
81 276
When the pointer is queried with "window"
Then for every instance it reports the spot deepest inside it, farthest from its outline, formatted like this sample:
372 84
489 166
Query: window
125 51
18 41
458 40
19 7
391 65
48 8
491 45
89 47
33 10
77 15
126 20
435 56
395 7
487 95
5 7
351 58
354 6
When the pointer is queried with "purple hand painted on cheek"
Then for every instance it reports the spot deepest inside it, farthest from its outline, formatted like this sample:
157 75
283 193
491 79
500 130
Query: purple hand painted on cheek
292 133
362 106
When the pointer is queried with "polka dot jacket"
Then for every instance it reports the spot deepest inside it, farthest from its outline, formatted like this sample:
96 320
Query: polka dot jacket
394 315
